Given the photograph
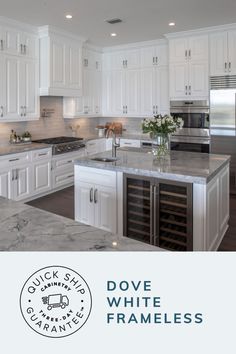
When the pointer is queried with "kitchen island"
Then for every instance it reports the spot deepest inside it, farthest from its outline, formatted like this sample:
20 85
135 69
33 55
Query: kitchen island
25 228
178 203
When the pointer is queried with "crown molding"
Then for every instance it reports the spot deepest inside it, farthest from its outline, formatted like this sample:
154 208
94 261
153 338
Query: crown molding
201 31
45 31
5 21
135 45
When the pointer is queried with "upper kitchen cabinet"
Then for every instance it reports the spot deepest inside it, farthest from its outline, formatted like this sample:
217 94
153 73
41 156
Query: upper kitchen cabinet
19 93
90 103
122 60
60 63
223 53
189 68
153 56
193 48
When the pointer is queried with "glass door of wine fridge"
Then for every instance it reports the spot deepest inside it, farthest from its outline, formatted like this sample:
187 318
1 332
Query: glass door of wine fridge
158 212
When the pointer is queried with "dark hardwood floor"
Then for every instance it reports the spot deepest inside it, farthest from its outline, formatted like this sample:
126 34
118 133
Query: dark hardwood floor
62 203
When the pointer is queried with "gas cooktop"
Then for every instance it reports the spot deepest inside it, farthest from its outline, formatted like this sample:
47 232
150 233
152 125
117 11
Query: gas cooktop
62 144
57 140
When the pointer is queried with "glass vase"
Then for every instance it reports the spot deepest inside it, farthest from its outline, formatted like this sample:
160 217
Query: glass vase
161 145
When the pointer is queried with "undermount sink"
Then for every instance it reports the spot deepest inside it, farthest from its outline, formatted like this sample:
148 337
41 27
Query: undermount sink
104 159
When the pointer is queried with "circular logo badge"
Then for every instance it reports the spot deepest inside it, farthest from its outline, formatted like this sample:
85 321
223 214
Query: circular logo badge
55 301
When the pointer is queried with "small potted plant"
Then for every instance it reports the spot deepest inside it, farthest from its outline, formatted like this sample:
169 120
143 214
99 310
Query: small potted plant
26 136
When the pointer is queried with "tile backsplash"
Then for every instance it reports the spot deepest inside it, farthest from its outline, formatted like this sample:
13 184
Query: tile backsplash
54 125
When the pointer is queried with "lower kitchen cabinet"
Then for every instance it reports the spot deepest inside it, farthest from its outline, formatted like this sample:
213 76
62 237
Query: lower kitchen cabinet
95 198
24 175
96 206
158 212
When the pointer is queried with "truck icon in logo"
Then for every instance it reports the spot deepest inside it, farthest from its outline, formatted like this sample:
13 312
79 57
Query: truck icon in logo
54 301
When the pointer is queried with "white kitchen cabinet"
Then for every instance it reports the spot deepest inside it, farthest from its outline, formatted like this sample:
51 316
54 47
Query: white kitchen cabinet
95 198
154 56
223 53
63 169
25 175
23 180
19 89
105 208
125 94
6 187
89 104
130 143
41 170
154 91
188 59
126 59
84 203
60 64
194 48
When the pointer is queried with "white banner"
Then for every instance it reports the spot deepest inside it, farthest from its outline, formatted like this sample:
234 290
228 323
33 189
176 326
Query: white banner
113 303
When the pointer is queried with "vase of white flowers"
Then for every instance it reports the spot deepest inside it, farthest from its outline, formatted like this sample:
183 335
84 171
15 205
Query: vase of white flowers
160 129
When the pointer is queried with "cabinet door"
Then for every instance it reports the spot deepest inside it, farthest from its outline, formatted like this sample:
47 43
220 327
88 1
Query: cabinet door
31 89
97 84
154 56
178 81
232 52
73 66
22 183
12 107
11 41
163 88
198 48
41 177
2 87
198 79
148 107
132 92
218 53
133 59
118 92
6 184
178 50
84 205
58 57
106 92
105 208
29 44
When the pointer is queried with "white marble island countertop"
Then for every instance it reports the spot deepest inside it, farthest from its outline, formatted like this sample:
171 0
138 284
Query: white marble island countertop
178 166
25 228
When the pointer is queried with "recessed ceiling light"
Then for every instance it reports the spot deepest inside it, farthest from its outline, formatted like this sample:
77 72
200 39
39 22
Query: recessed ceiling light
69 17
172 24
113 34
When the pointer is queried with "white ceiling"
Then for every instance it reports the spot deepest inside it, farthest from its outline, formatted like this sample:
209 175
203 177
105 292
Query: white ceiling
143 19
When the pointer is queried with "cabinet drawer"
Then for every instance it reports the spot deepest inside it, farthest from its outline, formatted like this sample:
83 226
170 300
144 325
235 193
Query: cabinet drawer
41 154
16 159
63 178
130 142
96 176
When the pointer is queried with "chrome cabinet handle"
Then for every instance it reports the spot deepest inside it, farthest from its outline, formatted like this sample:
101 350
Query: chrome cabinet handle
186 90
186 54
1 111
189 53
43 154
70 176
91 195
225 67
95 196
17 174
229 66
156 60
126 109
2 44
190 88
153 109
156 109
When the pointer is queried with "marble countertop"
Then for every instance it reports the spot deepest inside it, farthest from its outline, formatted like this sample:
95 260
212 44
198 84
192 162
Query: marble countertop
178 166
25 228
14 149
